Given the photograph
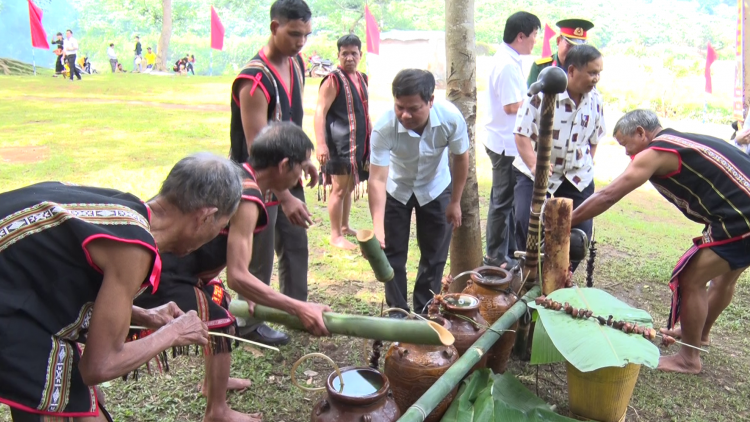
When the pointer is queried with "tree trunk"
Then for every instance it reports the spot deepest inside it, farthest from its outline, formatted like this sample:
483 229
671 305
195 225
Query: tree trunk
466 245
556 265
166 34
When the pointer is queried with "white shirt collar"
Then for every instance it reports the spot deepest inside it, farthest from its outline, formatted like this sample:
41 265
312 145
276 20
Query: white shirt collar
433 122
511 52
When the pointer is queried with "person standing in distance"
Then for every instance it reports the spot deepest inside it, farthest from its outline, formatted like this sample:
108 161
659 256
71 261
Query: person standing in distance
269 88
70 46
409 171
342 130
507 92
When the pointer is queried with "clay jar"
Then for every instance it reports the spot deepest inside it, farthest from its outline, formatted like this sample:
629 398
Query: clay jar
465 333
366 397
495 298
412 369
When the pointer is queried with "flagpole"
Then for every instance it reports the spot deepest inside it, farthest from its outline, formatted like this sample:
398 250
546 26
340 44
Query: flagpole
33 59
211 65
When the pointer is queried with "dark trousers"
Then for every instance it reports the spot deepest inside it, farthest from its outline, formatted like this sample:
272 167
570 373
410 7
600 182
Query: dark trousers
433 239
72 66
113 64
523 192
289 242
501 227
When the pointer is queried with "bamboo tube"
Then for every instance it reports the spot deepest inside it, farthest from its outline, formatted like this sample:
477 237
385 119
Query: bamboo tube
445 384
557 215
384 329
370 247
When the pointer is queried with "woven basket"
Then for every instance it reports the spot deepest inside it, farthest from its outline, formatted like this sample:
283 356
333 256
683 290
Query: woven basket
602 395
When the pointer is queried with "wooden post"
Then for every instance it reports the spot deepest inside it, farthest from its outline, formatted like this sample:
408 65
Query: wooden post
466 244
557 215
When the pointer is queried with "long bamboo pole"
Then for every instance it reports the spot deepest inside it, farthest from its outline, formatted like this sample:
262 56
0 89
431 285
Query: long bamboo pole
384 329
445 384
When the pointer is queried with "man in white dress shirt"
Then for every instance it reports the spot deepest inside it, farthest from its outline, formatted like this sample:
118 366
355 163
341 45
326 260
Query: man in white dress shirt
70 47
507 92
577 128
409 172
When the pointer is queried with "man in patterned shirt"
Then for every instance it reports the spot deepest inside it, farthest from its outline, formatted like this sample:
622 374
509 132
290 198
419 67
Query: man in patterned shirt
577 128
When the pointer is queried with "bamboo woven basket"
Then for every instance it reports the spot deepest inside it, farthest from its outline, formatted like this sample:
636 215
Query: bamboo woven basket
602 395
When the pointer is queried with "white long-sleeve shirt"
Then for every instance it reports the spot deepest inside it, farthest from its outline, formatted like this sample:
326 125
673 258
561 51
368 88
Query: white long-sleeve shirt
111 53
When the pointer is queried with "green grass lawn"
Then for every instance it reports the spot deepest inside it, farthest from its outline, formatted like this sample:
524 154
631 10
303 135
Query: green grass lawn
125 131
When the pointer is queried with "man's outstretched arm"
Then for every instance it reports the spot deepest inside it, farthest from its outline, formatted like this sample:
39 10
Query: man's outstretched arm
642 168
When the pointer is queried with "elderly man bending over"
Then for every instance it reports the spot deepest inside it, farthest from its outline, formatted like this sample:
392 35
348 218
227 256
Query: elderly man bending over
709 181
71 260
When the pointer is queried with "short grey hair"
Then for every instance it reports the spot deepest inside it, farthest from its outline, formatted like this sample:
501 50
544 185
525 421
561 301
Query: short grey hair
204 180
628 123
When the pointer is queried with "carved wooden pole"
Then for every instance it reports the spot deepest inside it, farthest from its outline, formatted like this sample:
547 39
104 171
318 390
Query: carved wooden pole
552 81
557 218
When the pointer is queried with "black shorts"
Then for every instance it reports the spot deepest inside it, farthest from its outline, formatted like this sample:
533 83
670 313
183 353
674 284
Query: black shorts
736 253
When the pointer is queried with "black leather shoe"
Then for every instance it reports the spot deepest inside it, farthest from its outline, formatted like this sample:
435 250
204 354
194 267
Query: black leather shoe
493 262
267 335
396 315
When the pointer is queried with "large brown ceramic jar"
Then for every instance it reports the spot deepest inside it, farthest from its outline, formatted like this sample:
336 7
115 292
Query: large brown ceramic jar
412 369
366 397
495 298
458 307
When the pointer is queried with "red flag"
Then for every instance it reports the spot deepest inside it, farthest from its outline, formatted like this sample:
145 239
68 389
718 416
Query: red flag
38 36
548 34
217 31
710 58
372 32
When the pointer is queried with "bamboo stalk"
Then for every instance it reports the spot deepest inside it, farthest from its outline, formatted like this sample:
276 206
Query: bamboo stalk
370 247
446 383
384 329
557 214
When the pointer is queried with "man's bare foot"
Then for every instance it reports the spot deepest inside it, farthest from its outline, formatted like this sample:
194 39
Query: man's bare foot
229 415
347 231
234 384
677 333
342 243
678 363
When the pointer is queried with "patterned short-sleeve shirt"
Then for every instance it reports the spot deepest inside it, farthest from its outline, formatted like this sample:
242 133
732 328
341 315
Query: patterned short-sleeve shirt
575 129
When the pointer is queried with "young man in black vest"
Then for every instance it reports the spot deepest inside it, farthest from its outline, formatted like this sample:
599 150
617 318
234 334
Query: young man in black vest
269 88
342 131
708 179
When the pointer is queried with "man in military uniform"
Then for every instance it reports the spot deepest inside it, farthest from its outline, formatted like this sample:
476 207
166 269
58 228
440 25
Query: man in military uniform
572 32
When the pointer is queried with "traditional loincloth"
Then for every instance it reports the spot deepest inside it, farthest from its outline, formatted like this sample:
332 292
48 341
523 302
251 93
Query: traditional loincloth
735 251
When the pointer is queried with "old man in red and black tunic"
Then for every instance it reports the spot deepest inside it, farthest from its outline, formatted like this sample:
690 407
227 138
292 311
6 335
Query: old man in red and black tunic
71 260
708 179
342 131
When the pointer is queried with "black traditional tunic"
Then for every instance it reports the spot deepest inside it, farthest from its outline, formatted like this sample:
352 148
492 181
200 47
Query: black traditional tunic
190 281
711 187
284 104
348 128
48 285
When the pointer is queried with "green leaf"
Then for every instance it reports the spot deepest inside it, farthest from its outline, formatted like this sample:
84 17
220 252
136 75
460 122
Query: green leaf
585 343
543 351
485 397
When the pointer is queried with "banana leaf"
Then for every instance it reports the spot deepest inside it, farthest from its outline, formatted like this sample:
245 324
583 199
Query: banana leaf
485 397
585 343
